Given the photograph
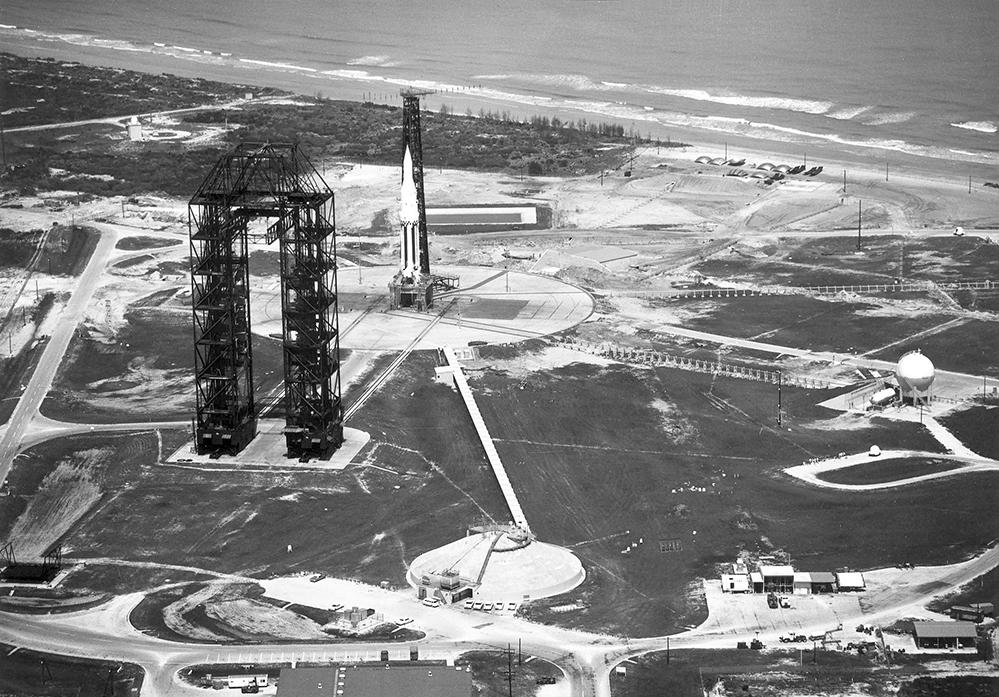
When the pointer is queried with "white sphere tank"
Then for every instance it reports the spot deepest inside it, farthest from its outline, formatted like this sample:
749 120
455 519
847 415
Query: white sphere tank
914 372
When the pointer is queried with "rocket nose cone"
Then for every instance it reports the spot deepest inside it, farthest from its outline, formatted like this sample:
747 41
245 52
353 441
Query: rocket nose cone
407 165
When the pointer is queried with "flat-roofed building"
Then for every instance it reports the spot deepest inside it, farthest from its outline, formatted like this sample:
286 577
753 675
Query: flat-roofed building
380 680
735 583
307 682
850 581
777 579
944 635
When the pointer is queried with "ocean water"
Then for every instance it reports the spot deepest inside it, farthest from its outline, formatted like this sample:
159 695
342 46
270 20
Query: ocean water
913 76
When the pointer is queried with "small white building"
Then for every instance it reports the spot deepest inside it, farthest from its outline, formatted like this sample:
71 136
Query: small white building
850 581
134 129
735 583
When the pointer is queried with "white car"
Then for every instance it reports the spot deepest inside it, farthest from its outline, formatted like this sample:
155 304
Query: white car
403 620
432 602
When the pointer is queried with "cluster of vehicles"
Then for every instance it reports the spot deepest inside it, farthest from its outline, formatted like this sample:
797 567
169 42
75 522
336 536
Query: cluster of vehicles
479 605
775 601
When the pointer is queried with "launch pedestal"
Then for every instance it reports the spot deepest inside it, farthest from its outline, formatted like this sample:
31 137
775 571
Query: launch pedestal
416 292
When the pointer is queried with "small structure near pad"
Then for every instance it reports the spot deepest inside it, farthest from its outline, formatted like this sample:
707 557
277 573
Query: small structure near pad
41 573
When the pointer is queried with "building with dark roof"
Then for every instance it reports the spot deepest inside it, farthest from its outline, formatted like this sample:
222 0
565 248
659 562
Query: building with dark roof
380 680
944 635
307 682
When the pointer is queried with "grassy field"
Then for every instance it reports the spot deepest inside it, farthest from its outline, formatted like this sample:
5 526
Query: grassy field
42 90
966 348
781 673
835 261
415 500
806 322
145 374
877 471
976 428
27 673
489 673
625 454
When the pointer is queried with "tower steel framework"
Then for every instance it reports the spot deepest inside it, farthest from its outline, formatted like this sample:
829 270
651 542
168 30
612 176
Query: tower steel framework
274 181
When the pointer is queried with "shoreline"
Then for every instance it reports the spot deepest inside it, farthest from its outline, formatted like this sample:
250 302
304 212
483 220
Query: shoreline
864 165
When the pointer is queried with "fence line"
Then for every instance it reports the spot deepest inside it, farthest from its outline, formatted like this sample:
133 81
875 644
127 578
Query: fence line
702 293
650 357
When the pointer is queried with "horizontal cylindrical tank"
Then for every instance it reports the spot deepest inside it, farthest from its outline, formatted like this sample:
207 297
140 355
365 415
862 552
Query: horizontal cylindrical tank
882 397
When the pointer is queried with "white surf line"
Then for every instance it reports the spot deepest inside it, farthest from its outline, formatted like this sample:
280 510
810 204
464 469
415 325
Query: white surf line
492 455
809 472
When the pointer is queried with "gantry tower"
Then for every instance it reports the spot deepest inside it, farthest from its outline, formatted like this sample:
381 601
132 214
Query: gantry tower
277 182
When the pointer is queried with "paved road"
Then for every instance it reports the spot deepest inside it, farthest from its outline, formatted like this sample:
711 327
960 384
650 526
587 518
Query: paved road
119 119
105 632
41 380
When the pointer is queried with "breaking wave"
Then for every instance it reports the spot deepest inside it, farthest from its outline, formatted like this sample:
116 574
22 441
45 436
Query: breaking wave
380 61
848 113
980 126
889 118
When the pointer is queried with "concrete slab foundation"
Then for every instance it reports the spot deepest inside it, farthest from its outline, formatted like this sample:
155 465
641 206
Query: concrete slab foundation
504 572
268 450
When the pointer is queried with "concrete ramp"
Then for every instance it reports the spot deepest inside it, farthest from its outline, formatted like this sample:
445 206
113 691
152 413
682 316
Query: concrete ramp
516 512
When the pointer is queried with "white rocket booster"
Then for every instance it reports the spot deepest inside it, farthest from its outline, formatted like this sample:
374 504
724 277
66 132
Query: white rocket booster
409 215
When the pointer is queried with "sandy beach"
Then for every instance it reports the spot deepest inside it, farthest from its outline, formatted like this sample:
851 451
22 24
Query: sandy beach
863 165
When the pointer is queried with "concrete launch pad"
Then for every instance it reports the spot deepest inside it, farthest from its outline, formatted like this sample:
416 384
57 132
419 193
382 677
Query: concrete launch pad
507 570
269 450
492 305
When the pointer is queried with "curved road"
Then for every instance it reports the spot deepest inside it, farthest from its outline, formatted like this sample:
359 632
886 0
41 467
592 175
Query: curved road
105 632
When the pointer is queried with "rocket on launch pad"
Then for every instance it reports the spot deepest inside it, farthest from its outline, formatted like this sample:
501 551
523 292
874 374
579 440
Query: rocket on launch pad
409 216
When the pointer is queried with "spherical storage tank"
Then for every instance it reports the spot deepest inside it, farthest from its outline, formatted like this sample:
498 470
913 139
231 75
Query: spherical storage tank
914 372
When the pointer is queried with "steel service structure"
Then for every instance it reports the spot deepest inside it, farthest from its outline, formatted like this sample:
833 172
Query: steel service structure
413 285
274 181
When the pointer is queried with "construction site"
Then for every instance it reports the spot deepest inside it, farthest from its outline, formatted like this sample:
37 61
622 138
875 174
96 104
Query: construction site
425 408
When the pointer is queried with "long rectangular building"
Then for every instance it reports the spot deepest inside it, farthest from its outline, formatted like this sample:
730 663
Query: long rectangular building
380 680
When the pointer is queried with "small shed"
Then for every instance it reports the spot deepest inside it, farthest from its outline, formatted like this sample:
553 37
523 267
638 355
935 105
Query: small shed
134 128
735 583
802 583
944 635
756 579
850 581
777 579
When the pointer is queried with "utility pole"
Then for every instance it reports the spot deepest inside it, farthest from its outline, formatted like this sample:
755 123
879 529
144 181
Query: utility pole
804 160
520 652
3 143
886 168
969 183
859 214
726 150
509 671
779 422
667 650
844 181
